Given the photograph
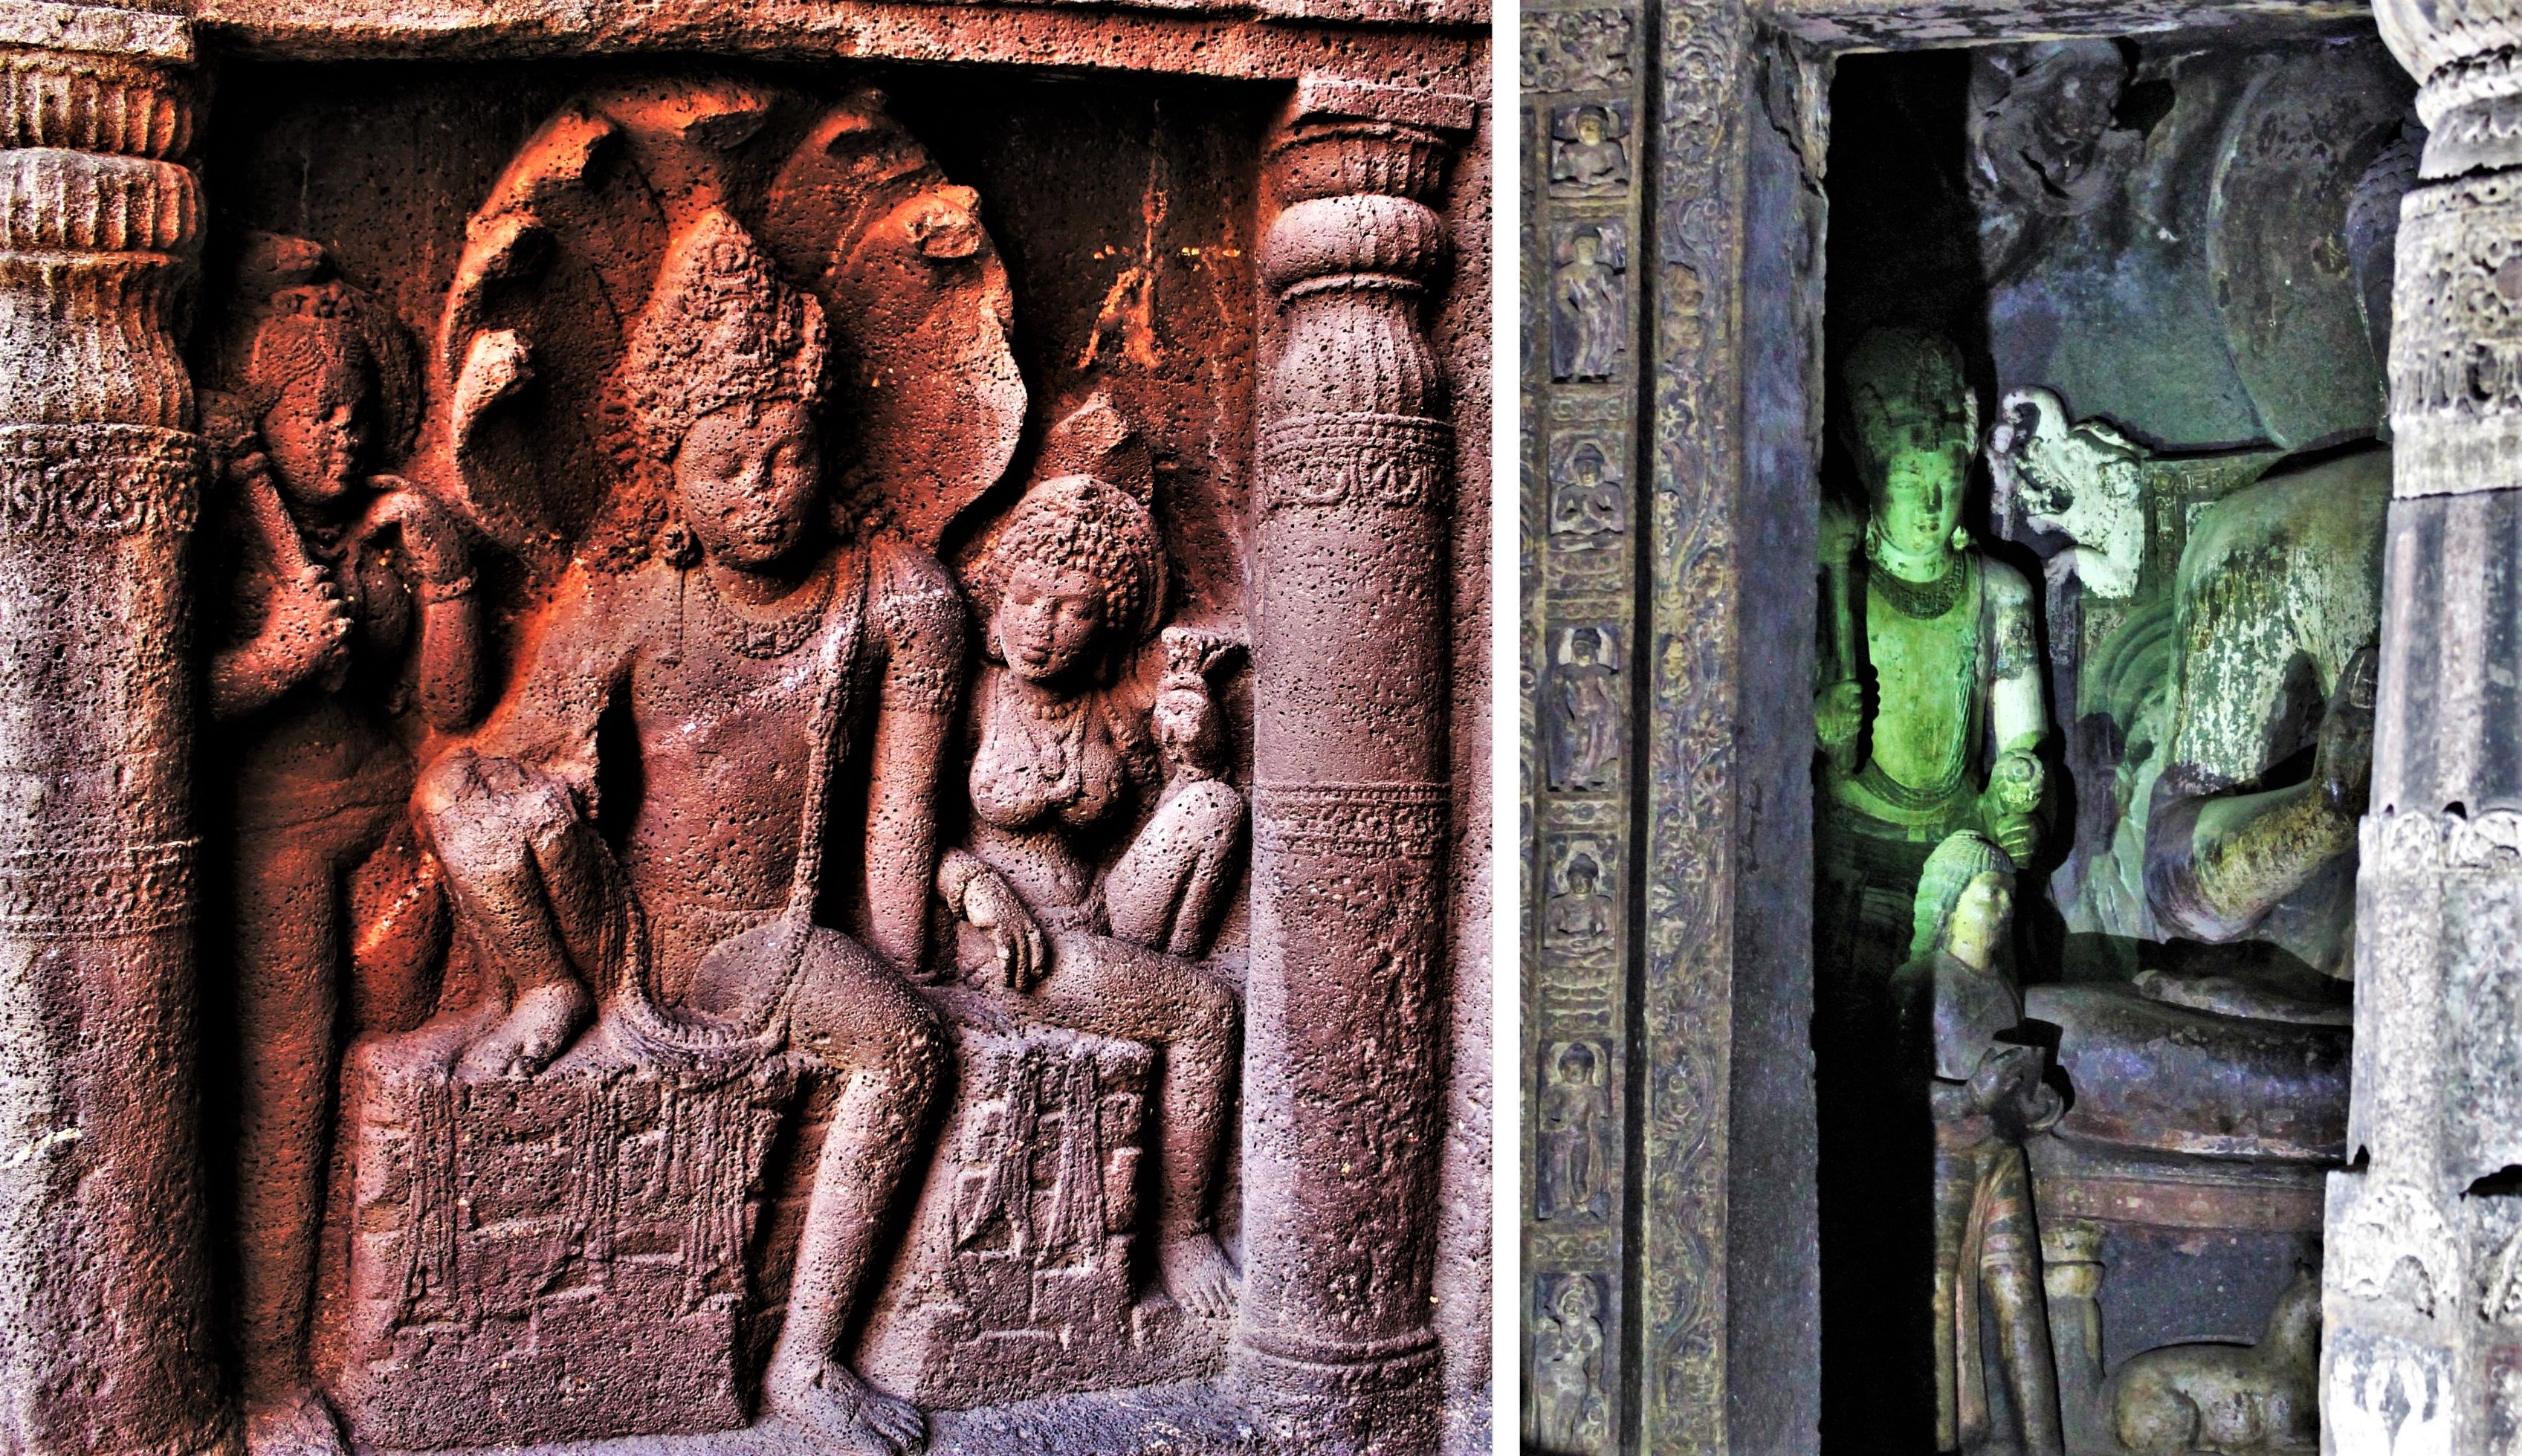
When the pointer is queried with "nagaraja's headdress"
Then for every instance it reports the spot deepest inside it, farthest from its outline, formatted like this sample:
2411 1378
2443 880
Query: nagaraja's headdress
721 330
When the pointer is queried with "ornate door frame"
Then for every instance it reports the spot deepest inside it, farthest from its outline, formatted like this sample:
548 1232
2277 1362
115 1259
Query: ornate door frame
1693 983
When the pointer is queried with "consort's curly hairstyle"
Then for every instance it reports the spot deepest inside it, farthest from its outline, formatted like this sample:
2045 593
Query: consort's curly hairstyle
1090 525
1955 863
721 329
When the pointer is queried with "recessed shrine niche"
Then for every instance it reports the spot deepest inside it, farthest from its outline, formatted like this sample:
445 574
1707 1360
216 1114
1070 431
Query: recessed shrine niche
2099 586
762 790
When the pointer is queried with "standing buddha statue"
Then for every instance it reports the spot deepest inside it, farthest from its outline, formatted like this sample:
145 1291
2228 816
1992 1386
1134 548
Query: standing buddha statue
1929 709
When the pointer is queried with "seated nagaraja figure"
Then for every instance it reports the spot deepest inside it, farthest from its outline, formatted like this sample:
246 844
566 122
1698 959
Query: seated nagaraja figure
1945 633
1961 1023
1062 773
757 658
347 614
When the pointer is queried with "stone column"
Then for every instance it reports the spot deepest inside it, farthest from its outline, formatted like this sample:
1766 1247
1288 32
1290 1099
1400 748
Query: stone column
104 1328
2422 1288
1346 1028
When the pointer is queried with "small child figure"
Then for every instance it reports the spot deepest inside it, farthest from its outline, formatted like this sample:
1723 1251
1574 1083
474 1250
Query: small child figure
1960 1020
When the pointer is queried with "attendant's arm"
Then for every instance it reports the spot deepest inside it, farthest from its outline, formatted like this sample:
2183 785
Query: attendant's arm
449 657
2018 714
305 628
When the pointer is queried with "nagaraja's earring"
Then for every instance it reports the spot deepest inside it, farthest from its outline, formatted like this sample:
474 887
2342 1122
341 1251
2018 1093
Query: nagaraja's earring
1961 538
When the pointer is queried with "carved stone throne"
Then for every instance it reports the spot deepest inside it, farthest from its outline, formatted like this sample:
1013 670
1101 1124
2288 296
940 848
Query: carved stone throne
1022 1270
558 1257
602 1249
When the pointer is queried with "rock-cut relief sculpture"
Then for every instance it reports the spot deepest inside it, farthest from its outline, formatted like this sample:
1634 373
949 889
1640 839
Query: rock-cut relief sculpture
753 659
1101 824
1074 577
1929 713
2256 644
1928 659
636 1174
343 631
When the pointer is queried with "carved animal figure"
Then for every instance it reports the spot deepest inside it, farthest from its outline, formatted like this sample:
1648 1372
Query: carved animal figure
2228 1398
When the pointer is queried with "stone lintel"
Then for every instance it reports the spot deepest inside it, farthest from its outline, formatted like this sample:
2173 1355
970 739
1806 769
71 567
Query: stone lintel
1330 99
97 30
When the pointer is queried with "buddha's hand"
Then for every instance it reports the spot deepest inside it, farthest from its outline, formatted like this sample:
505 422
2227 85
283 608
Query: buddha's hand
2343 753
432 540
1838 714
991 906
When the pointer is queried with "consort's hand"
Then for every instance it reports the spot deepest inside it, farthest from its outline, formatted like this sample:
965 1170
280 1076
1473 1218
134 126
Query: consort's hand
992 907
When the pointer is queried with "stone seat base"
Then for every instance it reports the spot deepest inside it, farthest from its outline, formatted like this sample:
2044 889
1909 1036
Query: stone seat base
2149 1077
1021 1278
547 1259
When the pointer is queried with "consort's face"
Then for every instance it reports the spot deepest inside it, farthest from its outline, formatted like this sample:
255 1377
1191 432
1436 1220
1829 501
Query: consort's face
1921 501
1050 622
316 437
748 480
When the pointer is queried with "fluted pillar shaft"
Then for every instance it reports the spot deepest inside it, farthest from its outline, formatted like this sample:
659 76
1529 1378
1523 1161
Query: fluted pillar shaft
2422 1286
1351 654
103 1345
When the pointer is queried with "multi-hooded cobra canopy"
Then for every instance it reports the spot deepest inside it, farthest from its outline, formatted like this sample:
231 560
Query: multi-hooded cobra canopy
531 426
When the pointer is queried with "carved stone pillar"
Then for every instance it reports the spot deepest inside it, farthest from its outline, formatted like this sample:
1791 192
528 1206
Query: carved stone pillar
2422 1290
104 1344
1344 1076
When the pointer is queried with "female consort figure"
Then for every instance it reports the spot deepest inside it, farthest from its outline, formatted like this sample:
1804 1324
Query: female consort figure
1961 1028
756 658
1063 774
344 631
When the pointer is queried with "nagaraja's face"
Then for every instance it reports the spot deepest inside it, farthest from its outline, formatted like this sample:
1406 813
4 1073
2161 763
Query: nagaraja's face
749 478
